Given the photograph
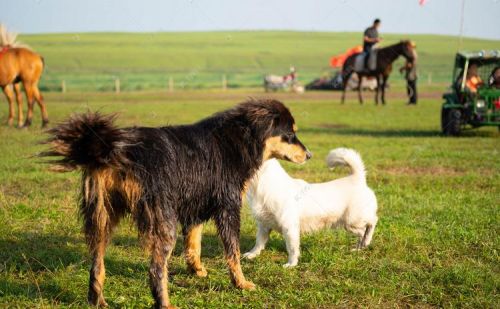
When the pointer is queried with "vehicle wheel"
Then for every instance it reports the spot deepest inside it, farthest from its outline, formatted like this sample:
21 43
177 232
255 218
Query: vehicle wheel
451 121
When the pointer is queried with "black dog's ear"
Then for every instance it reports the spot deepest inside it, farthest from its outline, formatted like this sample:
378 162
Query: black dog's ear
265 115
276 119
282 120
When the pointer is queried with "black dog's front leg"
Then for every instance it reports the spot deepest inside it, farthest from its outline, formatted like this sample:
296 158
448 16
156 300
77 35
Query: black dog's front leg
228 226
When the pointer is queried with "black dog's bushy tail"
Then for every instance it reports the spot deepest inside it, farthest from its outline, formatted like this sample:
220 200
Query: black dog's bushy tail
89 141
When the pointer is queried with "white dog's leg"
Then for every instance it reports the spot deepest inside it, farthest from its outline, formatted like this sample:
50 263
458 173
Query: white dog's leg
292 238
260 242
367 238
365 234
360 232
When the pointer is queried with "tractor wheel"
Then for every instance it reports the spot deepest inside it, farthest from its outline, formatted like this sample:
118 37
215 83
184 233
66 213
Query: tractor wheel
451 121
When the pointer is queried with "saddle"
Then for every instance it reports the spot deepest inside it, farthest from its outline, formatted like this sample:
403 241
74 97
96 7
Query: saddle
359 62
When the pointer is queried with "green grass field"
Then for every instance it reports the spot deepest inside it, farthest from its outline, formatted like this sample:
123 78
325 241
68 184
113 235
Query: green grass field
145 61
436 244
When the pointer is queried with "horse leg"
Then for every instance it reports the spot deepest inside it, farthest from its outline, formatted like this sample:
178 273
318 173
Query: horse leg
7 90
28 88
344 86
19 99
41 104
384 81
377 89
360 96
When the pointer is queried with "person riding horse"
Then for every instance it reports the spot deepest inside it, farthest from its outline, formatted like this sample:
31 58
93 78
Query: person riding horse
382 69
370 38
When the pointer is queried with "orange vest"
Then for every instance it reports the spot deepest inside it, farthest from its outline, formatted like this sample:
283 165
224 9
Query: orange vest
473 82
338 61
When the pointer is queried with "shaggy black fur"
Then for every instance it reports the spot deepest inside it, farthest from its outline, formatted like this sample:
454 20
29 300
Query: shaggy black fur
176 174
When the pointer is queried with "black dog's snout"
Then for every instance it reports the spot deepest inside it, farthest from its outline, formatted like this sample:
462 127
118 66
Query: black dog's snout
308 155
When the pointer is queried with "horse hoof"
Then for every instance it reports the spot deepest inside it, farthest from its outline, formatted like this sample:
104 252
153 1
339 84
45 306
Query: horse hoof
45 124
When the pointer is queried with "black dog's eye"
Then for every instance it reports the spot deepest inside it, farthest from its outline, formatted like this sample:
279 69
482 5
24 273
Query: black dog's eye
289 137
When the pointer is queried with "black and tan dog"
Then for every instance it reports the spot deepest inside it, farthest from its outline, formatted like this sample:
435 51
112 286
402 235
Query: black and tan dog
176 174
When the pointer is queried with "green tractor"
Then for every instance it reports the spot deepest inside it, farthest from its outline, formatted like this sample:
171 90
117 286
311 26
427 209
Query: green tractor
474 99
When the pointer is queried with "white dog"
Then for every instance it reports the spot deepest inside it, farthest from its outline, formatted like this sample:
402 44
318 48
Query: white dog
293 206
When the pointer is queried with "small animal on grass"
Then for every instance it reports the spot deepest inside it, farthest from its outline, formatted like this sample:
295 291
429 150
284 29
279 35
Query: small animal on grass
19 64
292 206
185 174
289 81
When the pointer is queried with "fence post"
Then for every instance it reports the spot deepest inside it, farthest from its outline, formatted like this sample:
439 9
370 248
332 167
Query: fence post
224 82
117 85
170 84
63 86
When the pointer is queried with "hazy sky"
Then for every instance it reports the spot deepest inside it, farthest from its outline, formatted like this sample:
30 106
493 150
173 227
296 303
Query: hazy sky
482 17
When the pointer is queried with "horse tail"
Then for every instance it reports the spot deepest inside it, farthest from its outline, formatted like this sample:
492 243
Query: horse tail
348 69
43 69
348 66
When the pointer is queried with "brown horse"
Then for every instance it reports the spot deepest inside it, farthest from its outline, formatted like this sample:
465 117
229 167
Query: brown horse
19 64
385 57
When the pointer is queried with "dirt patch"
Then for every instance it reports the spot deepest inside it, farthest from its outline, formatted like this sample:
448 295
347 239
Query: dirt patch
423 170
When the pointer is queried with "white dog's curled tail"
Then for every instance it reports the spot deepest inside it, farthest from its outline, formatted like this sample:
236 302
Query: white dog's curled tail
349 157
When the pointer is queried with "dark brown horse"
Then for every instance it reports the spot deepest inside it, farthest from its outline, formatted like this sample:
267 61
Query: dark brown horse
19 64
385 57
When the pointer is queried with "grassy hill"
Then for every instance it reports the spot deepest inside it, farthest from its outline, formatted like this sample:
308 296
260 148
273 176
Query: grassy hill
89 62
